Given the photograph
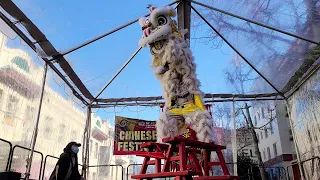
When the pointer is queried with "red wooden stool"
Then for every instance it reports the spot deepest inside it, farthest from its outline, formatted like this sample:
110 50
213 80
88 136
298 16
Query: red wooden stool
207 163
176 152
156 151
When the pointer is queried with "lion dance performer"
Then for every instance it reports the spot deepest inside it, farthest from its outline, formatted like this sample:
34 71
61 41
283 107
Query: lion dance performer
174 66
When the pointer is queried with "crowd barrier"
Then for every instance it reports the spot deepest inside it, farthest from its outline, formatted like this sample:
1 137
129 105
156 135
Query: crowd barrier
21 147
9 154
43 164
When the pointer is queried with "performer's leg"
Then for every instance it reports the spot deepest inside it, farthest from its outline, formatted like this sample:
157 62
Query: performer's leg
166 127
202 123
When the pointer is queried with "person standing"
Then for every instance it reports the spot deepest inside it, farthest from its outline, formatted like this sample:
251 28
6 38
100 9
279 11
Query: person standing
67 165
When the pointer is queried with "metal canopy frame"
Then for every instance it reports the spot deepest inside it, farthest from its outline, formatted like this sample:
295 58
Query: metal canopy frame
83 94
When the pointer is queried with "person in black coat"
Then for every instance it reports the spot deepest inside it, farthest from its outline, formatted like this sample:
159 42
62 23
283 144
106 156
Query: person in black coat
67 165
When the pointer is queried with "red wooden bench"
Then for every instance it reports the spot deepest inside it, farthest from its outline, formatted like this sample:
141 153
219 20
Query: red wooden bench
179 175
183 148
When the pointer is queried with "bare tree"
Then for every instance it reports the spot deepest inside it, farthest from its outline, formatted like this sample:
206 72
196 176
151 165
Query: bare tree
302 17
238 76
255 142
222 114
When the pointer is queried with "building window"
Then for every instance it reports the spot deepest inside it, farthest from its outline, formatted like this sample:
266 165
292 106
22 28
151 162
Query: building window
271 128
264 154
74 135
62 129
96 151
251 155
98 123
1 98
21 63
275 149
262 112
29 113
269 153
91 145
261 135
48 129
12 107
266 132
258 116
255 120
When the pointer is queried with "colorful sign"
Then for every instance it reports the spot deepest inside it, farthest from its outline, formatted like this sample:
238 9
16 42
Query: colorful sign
130 133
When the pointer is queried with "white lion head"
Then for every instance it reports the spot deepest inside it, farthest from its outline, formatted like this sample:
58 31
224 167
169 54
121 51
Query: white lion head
158 26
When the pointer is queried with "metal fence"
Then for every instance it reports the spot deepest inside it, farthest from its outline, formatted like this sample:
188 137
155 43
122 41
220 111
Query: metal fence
27 149
5 157
149 170
106 171
45 165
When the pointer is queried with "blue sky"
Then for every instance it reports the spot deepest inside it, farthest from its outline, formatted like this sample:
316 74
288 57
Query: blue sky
67 24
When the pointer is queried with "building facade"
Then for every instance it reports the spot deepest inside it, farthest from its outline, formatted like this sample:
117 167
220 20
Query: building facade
274 135
245 143
61 121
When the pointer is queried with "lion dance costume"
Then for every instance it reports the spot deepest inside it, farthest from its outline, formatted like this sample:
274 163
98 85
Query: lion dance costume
174 66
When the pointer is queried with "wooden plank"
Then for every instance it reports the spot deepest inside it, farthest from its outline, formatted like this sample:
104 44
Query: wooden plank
210 164
193 150
223 163
183 156
174 158
151 162
194 143
196 163
144 167
158 165
156 155
154 145
206 161
216 177
165 174
165 167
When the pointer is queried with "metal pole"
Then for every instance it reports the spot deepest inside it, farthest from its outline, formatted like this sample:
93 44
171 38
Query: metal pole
234 140
84 141
129 60
88 142
105 105
294 140
101 36
37 123
86 138
184 17
226 41
255 22
125 64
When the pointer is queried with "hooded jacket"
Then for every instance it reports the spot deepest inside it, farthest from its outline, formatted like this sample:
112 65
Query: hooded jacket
64 163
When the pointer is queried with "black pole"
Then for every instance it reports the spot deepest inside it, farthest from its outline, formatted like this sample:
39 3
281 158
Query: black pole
119 71
232 47
254 22
159 103
100 37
